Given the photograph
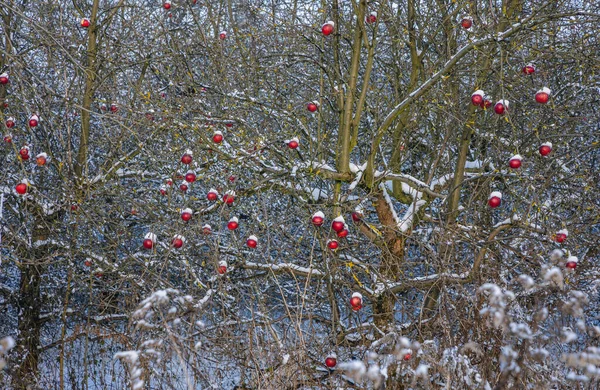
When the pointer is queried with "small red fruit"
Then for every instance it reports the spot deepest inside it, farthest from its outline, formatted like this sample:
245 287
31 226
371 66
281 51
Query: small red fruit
85 23
407 356
74 207
252 241
212 195
206 229
572 262
332 244
8 138
293 143
10 122
487 102
183 186
561 236
33 120
371 18
21 188
223 35
331 361
167 4
163 190
190 176
148 244
477 97
328 28
356 301
546 148
187 157
169 182
233 223
4 78
495 199
114 107
529 69
466 22
318 218
542 95
515 161
222 267
24 153
218 137
343 233
312 106
357 215
87 263
149 240
229 197
186 214
41 159
338 224
178 241
501 107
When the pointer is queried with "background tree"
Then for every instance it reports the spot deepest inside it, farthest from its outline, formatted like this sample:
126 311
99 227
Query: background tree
455 293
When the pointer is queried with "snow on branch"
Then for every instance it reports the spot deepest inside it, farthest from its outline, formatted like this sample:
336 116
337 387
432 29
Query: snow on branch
285 267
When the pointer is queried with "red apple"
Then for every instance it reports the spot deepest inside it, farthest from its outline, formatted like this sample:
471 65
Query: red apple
229 124
357 215
331 361
338 224
545 148
318 218
529 69
466 22
206 229
561 236
332 244
21 188
212 195
572 262
41 159
501 107
24 153
183 186
190 176
233 223
8 138
163 190
371 18
229 197
477 97
218 137
114 107
186 214
293 143
543 95
252 241
487 102
187 157
495 199
223 35
149 240
74 207
344 232
407 356
85 23
4 78
515 161
231 178
312 106
169 182
222 267
167 4
356 301
87 263
34 120
178 241
328 28
10 122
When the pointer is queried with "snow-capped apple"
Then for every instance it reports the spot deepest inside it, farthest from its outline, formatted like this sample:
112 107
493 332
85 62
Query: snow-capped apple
229 124
357 214
178 241
212 195
293 143
318 218
252 241
529 69
169 182
477 97
407 356
333 244
186 214
41 159
206 229
74 207
233 223
331 360
163 190
4 78
24 152
7 138
546 148
572 262
328 28
33 120
371 17
231 178
22 187
487 102
542 95
344 232
149 240
218 137
187 157
312 106
222 267
184 186
466 22
495 199
561 236
88 262
167 4
114 107
10 122
501 107
223 35
85 23
338 224
190 176
98 272
229 197
515 161
356 301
